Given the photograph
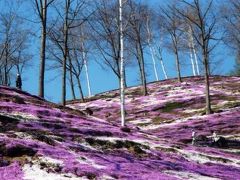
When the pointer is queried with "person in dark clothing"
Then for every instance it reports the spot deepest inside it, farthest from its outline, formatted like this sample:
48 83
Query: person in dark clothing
19 82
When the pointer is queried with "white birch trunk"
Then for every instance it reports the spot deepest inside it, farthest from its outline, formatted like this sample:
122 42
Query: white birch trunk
161 62
195 57
151 50
154 62
191 58
191 50
87 78
194 51
85 66
122 87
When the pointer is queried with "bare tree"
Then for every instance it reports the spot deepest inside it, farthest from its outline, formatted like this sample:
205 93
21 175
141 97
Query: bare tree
14 40
155 45
152 50
42 7
71 15
188 45
56 52
106 35
231 23
204 23
137 36
193 51
170 21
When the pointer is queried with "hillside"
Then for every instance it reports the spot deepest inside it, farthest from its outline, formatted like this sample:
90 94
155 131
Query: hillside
42 140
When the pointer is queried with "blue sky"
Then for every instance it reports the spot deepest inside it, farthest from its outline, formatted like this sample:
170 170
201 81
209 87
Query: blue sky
104 80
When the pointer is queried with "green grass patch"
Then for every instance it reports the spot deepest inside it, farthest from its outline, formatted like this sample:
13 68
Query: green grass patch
133 147
173 105
160 120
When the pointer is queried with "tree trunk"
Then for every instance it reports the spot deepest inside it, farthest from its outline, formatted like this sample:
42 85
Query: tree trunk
194 53
178 66
80 88
65 52
5 73
1 79
122 80
6 64
86 67
142 68
124 74
71 78
207 84
161 62
151 49
154 62
195 58
191 58
43 49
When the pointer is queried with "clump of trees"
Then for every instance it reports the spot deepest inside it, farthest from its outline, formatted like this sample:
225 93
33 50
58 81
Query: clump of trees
14 44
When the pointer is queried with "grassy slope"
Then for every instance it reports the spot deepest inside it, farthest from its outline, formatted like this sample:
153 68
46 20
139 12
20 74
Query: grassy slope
40 139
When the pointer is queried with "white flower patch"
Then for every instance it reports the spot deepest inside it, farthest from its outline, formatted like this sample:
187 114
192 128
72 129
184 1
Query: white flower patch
51 160
150 127
152 101
94 118
25 115
236 151
110 139
163 124
189 111
184 92
141 121
35 172
163 87
203 158
23 135
106 177
188 175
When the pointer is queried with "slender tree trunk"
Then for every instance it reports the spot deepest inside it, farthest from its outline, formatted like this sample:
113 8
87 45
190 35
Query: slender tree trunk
6 64
88 81
196 59
71 78
191 58
193 49
207 83
151 50
80 88
190 44
178 66
122 86
9 81
161 62
125 79
65 52
163 68
5 73
154 62
141 68
86 67
1 79
43 49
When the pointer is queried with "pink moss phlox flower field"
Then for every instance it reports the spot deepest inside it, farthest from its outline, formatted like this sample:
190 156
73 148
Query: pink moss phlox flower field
43 140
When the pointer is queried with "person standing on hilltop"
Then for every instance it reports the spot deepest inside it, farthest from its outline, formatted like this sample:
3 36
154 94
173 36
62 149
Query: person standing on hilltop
19 82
